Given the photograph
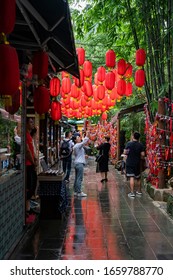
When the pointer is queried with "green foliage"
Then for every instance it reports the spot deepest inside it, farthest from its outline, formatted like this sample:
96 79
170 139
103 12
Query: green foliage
125 26
6 132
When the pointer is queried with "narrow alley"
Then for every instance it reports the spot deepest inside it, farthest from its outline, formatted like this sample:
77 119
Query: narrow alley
107 225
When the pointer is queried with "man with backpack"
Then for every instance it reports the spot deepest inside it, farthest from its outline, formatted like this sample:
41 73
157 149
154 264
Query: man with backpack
66 150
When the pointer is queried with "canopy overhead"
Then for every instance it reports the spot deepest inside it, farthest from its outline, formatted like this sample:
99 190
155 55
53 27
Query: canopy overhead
43 24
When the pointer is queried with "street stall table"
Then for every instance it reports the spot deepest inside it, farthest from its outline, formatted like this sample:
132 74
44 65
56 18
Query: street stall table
53 195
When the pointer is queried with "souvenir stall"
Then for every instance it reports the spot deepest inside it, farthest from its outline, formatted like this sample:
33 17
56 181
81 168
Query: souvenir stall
31 32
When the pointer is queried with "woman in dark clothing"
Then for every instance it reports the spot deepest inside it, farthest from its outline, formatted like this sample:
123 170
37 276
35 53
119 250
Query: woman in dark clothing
104 149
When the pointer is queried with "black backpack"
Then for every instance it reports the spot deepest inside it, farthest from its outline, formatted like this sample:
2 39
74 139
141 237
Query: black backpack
65 150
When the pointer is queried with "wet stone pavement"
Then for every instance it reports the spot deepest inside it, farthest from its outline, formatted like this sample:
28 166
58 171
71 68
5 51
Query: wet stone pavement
107 225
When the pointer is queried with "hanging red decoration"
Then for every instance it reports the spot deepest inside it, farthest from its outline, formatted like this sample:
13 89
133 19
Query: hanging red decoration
140 78
121 67
101 72
110 58
121 87
15 103
104 116
66 85
83 101
110 80
113 94
96 80
87 68
75 91
129 89
100 92
54 86
129 70
7 16
56 111
140 57
80 55
88 88
41 100
9 70
79 82
40 64
64 74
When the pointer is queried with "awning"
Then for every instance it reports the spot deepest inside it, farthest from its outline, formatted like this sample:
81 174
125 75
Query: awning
43 24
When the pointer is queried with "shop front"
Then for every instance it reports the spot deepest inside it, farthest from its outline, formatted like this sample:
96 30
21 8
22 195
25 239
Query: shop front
39 26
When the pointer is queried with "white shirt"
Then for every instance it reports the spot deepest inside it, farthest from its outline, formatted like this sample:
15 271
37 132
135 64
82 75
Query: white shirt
79 151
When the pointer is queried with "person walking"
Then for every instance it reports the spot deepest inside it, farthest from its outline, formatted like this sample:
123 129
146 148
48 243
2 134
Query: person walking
79 162
102 166
135 152
66 150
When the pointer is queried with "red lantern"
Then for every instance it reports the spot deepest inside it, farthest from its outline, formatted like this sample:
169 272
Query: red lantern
121 87
88 88
64 74
54 86
129 70
96 80
83 101
100 92
81 55
40 64
79 82
104 116
139 78
9 70
7 16
110 58
15 103
55 111
113 94
75 91
140 57
101 72
66 85
41 100
87 68
129 89
121 67
110 80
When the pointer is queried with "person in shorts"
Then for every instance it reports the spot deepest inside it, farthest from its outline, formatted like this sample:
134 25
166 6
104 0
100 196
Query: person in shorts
134 151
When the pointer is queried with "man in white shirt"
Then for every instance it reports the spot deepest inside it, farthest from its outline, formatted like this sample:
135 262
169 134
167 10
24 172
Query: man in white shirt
79 162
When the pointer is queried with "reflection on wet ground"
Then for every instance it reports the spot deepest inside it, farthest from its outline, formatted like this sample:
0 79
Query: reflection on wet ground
107 225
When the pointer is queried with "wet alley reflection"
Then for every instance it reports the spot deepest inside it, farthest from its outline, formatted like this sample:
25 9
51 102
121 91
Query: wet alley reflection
106 225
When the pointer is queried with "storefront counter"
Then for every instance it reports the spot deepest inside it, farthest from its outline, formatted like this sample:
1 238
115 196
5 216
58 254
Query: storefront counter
11 210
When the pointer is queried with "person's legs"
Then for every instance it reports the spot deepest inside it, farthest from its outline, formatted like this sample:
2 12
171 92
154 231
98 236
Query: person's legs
79 177
75 179
132 184
68 169
64 165
138 186
103 176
